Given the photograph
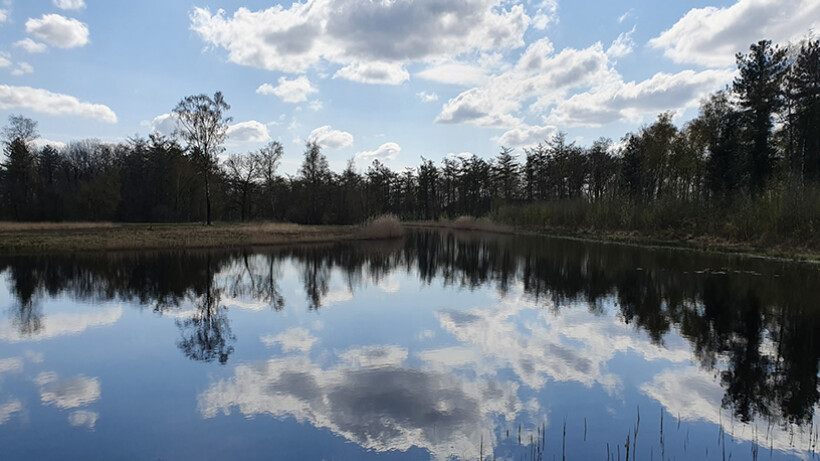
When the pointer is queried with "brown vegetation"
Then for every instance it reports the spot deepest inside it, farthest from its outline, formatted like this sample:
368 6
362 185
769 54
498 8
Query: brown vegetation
382 227
17 238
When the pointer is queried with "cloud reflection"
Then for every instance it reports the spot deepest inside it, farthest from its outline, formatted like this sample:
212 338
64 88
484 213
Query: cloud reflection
67 393
62 324
372 399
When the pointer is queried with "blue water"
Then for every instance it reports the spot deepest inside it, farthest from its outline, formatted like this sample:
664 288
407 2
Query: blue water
441 346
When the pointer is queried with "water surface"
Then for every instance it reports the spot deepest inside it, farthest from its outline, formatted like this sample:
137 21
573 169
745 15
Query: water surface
440 346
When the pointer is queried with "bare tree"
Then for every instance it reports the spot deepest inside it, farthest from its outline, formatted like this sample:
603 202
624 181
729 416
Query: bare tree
204 126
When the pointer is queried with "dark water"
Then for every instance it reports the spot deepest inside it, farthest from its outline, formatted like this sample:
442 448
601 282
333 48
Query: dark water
439 346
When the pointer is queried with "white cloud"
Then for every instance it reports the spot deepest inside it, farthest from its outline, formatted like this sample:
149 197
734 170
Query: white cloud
31 46
165 124
43 142
68 393
83 418
62 324
712 36
5 60
293 91
374 73
622 45
58 30
427 96
539 79
545 14
329 138
387 151
9 408
526 136
22 68
371 40
455 73
69 4
292 340
315 105
620 101
250 131
4 15
626 15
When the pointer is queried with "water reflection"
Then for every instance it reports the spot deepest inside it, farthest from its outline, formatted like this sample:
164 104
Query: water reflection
370 398
749 326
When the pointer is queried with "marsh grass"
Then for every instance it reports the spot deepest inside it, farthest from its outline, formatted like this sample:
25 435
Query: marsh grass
381 227
467 223
26 238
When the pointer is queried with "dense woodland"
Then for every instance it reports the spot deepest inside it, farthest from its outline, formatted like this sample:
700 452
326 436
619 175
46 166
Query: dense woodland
747 167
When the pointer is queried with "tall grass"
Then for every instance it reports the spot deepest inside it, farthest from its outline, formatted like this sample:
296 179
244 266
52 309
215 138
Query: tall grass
381 227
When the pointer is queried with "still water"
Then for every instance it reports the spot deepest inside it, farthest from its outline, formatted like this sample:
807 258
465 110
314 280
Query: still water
437 346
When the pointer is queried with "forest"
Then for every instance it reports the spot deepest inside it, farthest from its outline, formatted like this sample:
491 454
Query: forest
746 168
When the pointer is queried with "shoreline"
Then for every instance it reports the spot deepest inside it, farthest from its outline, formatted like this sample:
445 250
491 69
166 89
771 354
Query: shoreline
44 238
705 244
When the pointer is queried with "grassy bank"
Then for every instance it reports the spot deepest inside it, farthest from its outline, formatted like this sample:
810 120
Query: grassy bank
776 225
26 238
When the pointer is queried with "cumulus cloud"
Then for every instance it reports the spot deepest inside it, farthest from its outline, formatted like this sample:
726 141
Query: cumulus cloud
31 46
292 340
58 31
68 393
4 15
425 96
620 101
455 73
539 79
250 131
545 14
165 124
14 97
5 60
293 91
387 151
329 138
69 4
22 68
526 135
374 73
371 40
712 36
573 88
371 399
62 324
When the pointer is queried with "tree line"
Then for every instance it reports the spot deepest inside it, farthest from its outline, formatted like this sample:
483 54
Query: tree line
753 142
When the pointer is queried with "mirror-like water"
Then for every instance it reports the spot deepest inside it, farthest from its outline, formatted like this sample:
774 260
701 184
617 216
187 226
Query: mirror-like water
439 346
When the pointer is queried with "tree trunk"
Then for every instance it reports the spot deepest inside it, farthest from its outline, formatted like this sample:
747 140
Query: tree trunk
207 200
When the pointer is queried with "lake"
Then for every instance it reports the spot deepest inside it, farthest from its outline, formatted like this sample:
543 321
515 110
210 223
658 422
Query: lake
439 346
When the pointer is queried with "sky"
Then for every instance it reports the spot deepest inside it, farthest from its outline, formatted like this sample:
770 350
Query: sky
392 80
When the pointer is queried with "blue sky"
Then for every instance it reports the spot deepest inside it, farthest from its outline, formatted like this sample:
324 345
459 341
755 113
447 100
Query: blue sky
387 79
